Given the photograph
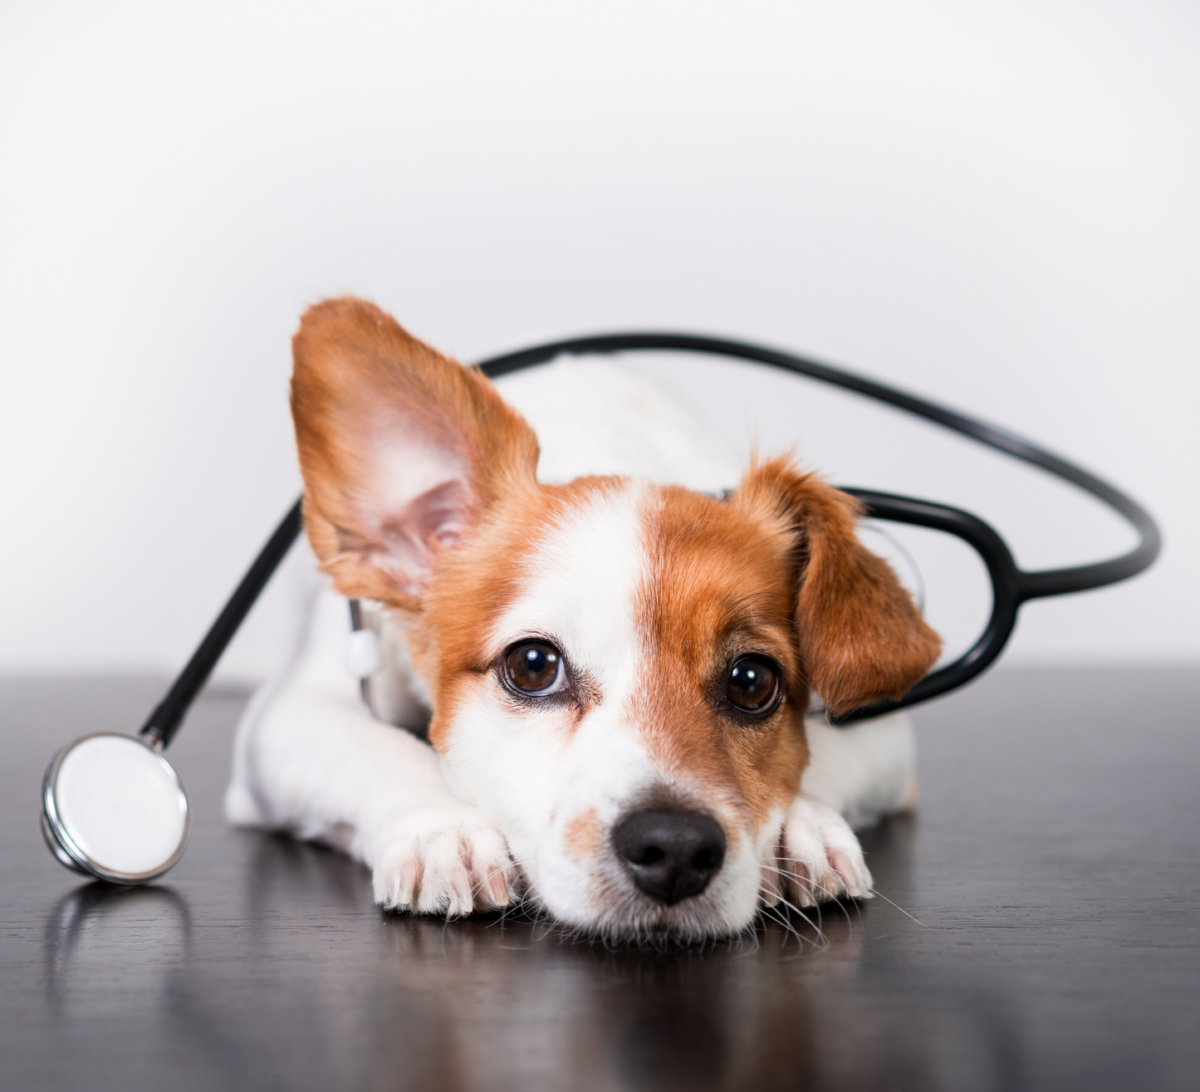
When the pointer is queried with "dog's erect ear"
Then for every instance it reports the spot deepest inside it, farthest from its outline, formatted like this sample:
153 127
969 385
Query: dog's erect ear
402 450
860 635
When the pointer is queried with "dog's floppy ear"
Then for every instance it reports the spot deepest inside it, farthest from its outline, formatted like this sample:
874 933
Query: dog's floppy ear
860 635
402 450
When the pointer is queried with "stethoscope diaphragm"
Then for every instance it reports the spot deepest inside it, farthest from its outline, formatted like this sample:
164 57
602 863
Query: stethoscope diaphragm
114 808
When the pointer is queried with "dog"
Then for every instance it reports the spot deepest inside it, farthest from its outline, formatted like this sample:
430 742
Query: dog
612 665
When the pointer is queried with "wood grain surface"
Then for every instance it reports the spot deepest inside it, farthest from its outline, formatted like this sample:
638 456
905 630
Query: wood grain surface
1041 930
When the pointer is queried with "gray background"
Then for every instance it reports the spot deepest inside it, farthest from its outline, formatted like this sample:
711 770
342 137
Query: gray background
992 204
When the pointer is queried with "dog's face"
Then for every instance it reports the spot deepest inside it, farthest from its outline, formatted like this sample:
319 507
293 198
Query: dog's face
620 670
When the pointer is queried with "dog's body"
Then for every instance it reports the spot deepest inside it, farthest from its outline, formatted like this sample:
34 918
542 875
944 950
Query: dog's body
613 669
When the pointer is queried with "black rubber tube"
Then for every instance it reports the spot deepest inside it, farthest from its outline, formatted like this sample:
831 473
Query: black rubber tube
1006 593
164 722
1032 585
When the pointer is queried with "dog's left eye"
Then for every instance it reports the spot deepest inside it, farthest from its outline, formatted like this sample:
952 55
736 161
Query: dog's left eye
752 685
535 668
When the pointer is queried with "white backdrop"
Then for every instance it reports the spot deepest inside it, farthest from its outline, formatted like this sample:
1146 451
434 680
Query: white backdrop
992 204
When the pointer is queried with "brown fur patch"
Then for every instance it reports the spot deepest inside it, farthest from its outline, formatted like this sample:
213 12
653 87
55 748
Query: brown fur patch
778 570
583 836
476 582
859 634
720 585
358 378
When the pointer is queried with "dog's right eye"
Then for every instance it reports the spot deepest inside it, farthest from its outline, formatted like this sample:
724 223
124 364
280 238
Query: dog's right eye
535 668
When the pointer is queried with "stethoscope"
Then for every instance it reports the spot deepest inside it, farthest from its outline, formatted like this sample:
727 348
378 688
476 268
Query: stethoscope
114 808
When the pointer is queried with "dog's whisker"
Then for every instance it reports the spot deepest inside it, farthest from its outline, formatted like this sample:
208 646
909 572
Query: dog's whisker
800 913
897 906
816 889
770 914
790 926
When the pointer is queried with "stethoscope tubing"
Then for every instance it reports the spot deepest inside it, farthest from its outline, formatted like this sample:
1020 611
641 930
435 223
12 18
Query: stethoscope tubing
168 715
1011 586
1032 585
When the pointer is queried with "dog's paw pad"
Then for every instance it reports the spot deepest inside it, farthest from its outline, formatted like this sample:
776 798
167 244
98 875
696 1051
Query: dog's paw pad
821 857
448 861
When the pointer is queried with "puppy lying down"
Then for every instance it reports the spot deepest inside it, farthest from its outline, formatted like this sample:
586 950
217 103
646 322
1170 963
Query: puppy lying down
612 665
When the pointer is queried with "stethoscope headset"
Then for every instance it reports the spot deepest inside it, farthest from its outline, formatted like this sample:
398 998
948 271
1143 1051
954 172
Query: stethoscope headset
116 810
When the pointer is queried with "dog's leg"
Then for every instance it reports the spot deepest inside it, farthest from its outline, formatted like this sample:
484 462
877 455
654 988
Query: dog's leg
821 858
855 777
311 760
866 771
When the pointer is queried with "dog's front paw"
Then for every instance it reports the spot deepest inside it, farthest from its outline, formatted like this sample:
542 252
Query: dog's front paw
821 857
441 860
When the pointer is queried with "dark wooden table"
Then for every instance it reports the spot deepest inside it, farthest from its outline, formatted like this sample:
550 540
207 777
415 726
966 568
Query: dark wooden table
1045 934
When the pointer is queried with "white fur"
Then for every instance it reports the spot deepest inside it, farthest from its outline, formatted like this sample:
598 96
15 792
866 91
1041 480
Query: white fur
865 771
310 759
441 834
599 416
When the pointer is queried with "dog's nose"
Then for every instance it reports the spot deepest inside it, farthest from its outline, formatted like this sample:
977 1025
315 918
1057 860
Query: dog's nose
671 855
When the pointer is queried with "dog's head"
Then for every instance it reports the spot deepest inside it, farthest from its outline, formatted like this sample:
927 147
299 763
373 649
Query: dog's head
620 670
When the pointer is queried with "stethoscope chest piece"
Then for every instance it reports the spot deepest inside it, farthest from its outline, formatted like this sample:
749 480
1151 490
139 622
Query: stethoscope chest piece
114 808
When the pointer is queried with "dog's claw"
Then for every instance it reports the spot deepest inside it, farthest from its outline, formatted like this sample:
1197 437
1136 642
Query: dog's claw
847 873
770 887
800 884
462 904
497 887
410 873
